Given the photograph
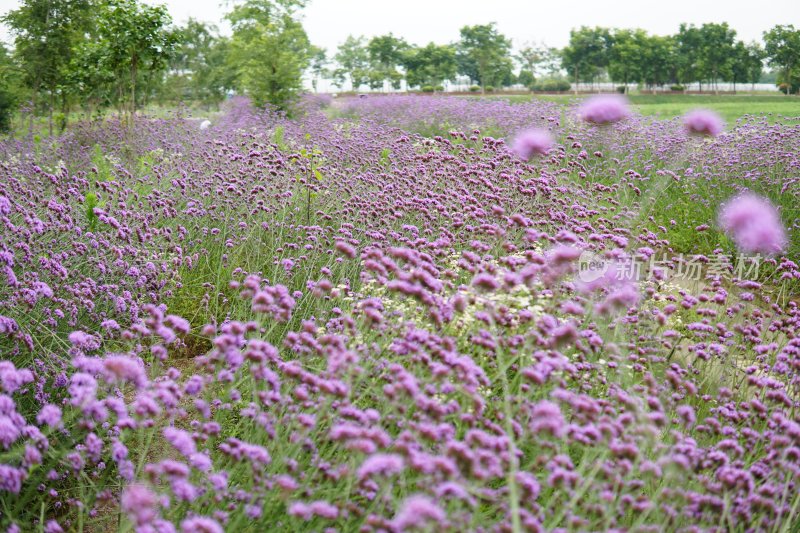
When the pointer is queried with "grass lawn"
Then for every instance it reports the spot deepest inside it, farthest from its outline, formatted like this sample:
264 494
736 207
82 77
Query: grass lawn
731 107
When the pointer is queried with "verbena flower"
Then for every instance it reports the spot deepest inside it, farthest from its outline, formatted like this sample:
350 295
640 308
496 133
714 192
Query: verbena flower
604 109
531 143
703 122
754 224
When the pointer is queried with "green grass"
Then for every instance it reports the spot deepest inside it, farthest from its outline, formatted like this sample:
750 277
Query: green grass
667 106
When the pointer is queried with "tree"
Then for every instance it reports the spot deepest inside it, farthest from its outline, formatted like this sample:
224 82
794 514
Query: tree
747 63
133 40
430 65
45 35
10 85
386 53
658 64
689 42
531 57
483 54
318 66
782 47
625 59
526 78
587 54
717 52
353 60
269 50
198 69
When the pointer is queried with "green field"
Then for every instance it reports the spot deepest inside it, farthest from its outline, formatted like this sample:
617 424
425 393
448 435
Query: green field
731 107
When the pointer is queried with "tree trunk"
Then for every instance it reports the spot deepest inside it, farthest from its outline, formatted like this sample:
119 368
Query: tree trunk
576 79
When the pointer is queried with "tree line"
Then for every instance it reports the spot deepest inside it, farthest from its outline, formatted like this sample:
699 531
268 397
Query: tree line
123 54
94 55
706 54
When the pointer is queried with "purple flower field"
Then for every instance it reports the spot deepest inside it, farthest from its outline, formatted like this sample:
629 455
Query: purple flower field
402 314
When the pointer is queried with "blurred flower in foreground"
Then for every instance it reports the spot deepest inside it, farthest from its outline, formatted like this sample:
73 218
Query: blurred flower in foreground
604 109
703 122
754 224
531 143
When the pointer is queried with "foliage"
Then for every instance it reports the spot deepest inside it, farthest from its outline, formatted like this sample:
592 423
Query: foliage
552 85
338 323
199 70
782 46
46 34
587 53
269 50
10 89
483 55
429 65
386 54
353 60
132 47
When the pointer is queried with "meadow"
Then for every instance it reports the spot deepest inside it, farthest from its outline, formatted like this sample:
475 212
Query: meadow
383 314
667 106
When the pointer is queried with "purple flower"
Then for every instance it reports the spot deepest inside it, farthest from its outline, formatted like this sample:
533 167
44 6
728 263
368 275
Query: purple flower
140 503
53 527
532 142
604 109
181 439
703 122
125 368
754 224
201 524
11 479
381 464
84 341
416 511
50 415
546 417
485 282
11 379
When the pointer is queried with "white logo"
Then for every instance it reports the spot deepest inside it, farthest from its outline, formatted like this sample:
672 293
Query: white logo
591 267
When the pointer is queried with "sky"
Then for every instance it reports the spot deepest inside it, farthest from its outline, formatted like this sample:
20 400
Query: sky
329 22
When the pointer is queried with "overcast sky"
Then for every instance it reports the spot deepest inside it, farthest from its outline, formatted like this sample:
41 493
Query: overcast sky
329 22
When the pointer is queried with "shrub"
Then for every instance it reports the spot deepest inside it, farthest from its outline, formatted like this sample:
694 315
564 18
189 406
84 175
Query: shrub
439 88
622 89
428 88
489 89
6 109
475 89
677 87
787 88
552 85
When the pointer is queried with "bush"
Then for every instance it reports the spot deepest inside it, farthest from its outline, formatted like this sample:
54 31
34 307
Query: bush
428 88
622 89
552 85
489 89
677 87
439 88
786 88
6 109
475 88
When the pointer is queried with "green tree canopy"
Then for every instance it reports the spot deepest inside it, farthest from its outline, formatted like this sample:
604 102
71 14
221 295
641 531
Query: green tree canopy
46 34
353 60
431 65
269 50
484 55
587 53
782 47
386 54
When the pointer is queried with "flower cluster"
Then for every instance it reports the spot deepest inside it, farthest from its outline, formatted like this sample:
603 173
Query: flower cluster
337 323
